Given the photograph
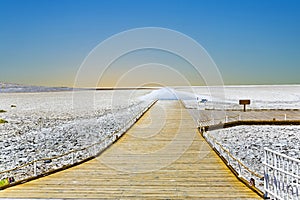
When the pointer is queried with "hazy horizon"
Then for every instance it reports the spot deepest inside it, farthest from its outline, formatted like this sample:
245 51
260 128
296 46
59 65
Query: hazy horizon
153 86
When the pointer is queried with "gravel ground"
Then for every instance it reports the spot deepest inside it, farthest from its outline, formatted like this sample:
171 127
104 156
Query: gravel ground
44 125
247 143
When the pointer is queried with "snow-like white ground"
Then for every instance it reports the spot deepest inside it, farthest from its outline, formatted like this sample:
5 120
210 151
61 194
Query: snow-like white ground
50 123
262 97
43 125
247 143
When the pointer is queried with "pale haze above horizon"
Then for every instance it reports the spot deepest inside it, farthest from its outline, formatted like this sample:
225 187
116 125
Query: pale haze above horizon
44 42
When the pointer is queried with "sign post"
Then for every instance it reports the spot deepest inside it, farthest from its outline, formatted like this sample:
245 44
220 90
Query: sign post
244 102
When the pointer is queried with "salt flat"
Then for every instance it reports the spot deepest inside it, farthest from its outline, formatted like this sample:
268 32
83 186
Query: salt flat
51 123
262 97
47 124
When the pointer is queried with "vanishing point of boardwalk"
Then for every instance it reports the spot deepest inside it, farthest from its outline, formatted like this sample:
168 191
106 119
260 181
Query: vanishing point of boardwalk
161 157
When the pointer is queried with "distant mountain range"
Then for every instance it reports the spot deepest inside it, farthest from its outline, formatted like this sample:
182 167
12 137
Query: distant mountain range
14 88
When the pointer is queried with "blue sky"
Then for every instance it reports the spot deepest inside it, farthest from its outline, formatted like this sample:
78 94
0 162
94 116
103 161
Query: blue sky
43 42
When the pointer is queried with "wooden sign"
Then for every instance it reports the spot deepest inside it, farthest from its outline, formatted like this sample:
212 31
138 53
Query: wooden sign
245 102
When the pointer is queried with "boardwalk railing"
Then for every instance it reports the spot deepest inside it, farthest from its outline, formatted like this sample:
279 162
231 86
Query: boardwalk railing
214 121
281 176
47 165
242 170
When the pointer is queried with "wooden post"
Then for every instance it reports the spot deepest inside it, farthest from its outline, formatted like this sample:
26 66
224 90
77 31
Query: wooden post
73 156
34 168
244 102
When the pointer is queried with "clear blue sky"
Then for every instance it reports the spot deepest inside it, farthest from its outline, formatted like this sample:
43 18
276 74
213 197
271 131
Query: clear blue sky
43 42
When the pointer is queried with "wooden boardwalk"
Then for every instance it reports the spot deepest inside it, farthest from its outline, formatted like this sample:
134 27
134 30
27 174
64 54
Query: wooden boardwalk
220 116
161 157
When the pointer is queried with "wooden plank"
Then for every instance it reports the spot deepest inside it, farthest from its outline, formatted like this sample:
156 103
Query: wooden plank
161 157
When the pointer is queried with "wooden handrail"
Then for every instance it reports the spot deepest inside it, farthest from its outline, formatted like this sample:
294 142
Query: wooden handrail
209 120
238 161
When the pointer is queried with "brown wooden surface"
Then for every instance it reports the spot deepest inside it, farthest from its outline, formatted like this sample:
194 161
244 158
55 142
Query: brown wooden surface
218 115
244 101
161 157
